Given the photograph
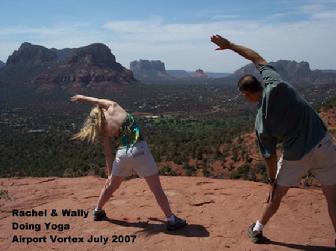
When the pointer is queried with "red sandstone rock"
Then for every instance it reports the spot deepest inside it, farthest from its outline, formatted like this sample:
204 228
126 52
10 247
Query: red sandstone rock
218 211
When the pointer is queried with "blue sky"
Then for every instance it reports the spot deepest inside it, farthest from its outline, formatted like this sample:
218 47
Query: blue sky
177 32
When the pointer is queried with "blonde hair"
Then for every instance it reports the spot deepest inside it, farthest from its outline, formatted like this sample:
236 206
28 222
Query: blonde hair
92 127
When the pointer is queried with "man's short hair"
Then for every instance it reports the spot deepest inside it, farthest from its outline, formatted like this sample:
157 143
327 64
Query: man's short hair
249 83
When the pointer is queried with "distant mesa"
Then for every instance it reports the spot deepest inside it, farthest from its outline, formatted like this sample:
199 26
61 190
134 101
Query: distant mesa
89 67
199 73
186 74
289 70
297 73
94 67
179 73
154 71
145 65
145 70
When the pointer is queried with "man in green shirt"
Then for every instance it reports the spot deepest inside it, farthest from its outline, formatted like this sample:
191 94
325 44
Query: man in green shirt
284 117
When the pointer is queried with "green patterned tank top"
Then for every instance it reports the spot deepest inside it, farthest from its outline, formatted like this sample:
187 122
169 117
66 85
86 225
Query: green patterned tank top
129 132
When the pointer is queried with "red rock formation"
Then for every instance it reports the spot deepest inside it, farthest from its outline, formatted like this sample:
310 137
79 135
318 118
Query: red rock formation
199 73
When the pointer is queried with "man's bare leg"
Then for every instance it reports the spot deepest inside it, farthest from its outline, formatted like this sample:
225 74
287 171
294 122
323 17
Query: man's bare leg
111 185
272 206
330 194
273 203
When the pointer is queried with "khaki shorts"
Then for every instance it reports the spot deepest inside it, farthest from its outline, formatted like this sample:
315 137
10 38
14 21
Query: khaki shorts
320 162
137 158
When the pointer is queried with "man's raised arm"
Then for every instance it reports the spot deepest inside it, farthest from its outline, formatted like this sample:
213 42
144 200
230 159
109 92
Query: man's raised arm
245 52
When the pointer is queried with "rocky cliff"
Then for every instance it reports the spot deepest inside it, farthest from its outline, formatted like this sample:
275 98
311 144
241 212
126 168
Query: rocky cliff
92 67
147 70
297 73
25 64
63 54
31 54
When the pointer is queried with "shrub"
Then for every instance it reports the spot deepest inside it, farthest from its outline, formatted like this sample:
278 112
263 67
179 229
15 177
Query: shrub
166 170
261 169
241 173
189 170
206 172
4 195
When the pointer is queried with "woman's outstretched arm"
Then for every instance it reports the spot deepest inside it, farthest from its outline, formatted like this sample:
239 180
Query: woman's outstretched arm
104 103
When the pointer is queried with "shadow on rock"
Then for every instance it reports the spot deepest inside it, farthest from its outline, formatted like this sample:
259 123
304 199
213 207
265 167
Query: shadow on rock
191 230
299 246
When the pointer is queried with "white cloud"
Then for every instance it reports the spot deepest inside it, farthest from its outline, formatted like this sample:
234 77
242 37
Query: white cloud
151 25
320 10
187 45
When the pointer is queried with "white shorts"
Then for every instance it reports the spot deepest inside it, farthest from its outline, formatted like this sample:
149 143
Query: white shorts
138 158
320 162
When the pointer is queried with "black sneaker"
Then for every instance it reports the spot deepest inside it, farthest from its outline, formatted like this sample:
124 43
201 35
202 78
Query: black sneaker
178 224
99 214
255 236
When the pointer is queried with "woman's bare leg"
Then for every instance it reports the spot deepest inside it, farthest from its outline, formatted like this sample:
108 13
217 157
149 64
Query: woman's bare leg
161 198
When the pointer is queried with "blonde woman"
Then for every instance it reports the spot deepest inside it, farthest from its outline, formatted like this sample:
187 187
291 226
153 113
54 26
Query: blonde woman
108 120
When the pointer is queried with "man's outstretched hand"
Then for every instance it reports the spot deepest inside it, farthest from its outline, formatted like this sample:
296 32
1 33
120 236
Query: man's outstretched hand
221 42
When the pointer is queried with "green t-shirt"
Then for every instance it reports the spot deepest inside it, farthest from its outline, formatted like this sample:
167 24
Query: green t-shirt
284 116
